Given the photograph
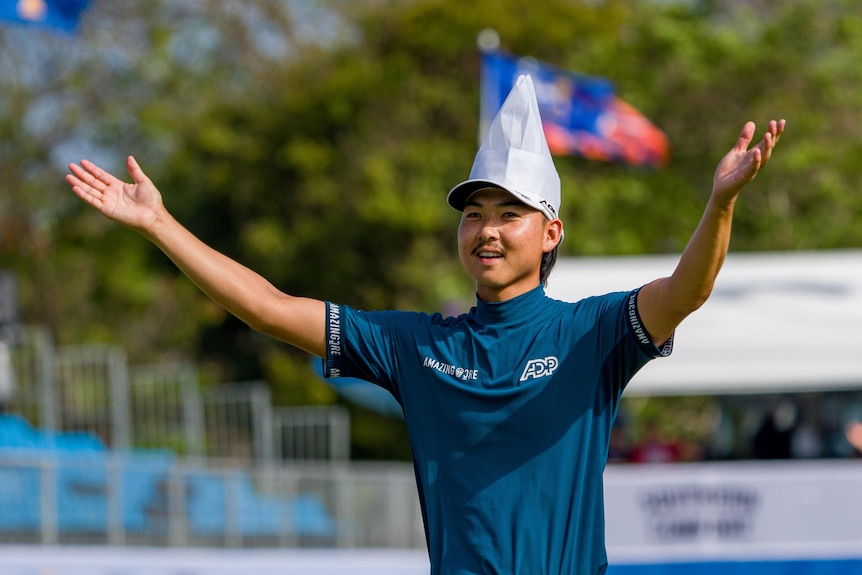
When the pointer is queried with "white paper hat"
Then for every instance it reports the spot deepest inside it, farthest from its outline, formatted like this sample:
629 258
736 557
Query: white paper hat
514 156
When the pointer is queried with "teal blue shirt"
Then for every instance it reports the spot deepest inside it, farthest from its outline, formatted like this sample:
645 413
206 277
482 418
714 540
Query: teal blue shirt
509 409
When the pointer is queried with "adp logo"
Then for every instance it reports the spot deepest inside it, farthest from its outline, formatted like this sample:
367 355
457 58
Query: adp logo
537 368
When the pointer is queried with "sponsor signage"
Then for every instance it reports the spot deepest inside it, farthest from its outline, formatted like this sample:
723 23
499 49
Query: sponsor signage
722 508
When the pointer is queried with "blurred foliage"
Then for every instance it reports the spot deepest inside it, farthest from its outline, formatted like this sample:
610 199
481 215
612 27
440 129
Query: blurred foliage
315 142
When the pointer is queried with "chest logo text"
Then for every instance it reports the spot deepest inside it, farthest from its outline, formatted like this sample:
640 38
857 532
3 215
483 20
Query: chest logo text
461 373
541 367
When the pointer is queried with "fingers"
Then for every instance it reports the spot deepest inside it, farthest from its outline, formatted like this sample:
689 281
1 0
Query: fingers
761 153
84 190
767 145
91 175
86 185
100 175
773 132
777 131
770 138
90 182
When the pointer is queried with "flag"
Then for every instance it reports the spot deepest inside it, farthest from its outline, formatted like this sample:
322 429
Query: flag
581 115
54 14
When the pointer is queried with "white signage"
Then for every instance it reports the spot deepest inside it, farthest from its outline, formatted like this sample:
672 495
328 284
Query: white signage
722 509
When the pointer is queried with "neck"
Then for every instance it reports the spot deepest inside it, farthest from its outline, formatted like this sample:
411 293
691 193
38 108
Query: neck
492 294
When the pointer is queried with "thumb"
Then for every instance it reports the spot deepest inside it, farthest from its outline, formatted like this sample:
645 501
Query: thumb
135 170
745 136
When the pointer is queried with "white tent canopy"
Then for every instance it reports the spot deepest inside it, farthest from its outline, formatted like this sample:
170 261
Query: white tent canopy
776 322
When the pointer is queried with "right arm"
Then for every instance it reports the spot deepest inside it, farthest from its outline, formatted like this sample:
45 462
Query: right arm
244 293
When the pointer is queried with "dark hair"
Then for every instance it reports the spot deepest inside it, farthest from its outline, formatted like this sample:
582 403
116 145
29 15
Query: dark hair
549 259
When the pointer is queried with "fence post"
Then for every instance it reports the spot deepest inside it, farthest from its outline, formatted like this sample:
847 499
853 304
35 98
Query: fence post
114 498
45 382
177 509
261 413
233 518
193 413
339 435
345 506
121 413
48 500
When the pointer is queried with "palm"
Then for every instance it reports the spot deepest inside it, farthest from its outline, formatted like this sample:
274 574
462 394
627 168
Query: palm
136 205
130 203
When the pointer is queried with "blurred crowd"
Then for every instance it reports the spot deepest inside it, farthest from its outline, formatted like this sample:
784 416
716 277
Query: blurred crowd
779 434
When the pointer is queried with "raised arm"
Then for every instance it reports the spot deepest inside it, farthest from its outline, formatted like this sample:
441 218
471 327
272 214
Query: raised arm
244 293
665 302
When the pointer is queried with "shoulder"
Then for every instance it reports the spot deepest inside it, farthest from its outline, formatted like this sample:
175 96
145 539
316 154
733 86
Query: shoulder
348 314
595 305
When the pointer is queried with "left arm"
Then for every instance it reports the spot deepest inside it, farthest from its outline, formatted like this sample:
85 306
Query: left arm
665 302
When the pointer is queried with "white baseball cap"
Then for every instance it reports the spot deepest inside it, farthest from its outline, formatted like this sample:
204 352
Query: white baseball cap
514 156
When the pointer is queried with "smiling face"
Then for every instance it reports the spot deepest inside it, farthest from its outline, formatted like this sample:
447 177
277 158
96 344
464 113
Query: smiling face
501 242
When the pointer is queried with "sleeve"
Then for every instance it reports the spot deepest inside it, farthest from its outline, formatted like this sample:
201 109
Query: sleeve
640 333
362 345
626 343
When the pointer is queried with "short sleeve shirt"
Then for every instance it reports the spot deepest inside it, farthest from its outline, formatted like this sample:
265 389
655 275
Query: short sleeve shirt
509 409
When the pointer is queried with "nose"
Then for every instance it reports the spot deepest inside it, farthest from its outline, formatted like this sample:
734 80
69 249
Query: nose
488 233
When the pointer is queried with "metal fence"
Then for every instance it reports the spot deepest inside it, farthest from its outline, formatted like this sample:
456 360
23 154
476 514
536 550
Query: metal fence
151 457
92 386
156 499
310 434
32 359
92 389
238 421
166 407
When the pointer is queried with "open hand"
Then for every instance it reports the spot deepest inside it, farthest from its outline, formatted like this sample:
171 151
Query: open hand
136 205
742 164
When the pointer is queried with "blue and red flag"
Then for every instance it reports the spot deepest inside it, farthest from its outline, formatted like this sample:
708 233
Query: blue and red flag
55 14
581 115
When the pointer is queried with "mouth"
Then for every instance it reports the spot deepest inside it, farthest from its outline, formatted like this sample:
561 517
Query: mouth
486 254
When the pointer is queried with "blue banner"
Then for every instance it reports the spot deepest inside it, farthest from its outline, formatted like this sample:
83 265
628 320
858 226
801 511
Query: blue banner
54 14
581 115
750 567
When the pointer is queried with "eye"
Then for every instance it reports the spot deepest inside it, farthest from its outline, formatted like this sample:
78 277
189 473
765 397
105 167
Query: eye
471 215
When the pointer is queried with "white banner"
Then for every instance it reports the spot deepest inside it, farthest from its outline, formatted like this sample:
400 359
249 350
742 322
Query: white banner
741 509
26 560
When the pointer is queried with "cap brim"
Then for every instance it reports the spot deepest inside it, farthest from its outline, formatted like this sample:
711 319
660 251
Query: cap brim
460 194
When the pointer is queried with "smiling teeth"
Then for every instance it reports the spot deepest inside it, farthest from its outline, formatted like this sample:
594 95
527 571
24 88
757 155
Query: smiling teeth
489 255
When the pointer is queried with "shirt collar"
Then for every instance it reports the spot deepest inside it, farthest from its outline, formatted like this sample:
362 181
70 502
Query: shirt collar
513 310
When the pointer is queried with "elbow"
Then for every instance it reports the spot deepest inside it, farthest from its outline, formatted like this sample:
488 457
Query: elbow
689 305
259 316
698 300
685 305
688 298
263 323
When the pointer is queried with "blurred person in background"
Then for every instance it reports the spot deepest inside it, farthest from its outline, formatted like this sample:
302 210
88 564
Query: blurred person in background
654 447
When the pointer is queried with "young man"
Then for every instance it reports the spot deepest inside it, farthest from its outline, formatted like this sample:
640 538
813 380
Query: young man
510 406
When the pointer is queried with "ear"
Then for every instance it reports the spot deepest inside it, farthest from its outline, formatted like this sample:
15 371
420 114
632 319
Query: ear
553 234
